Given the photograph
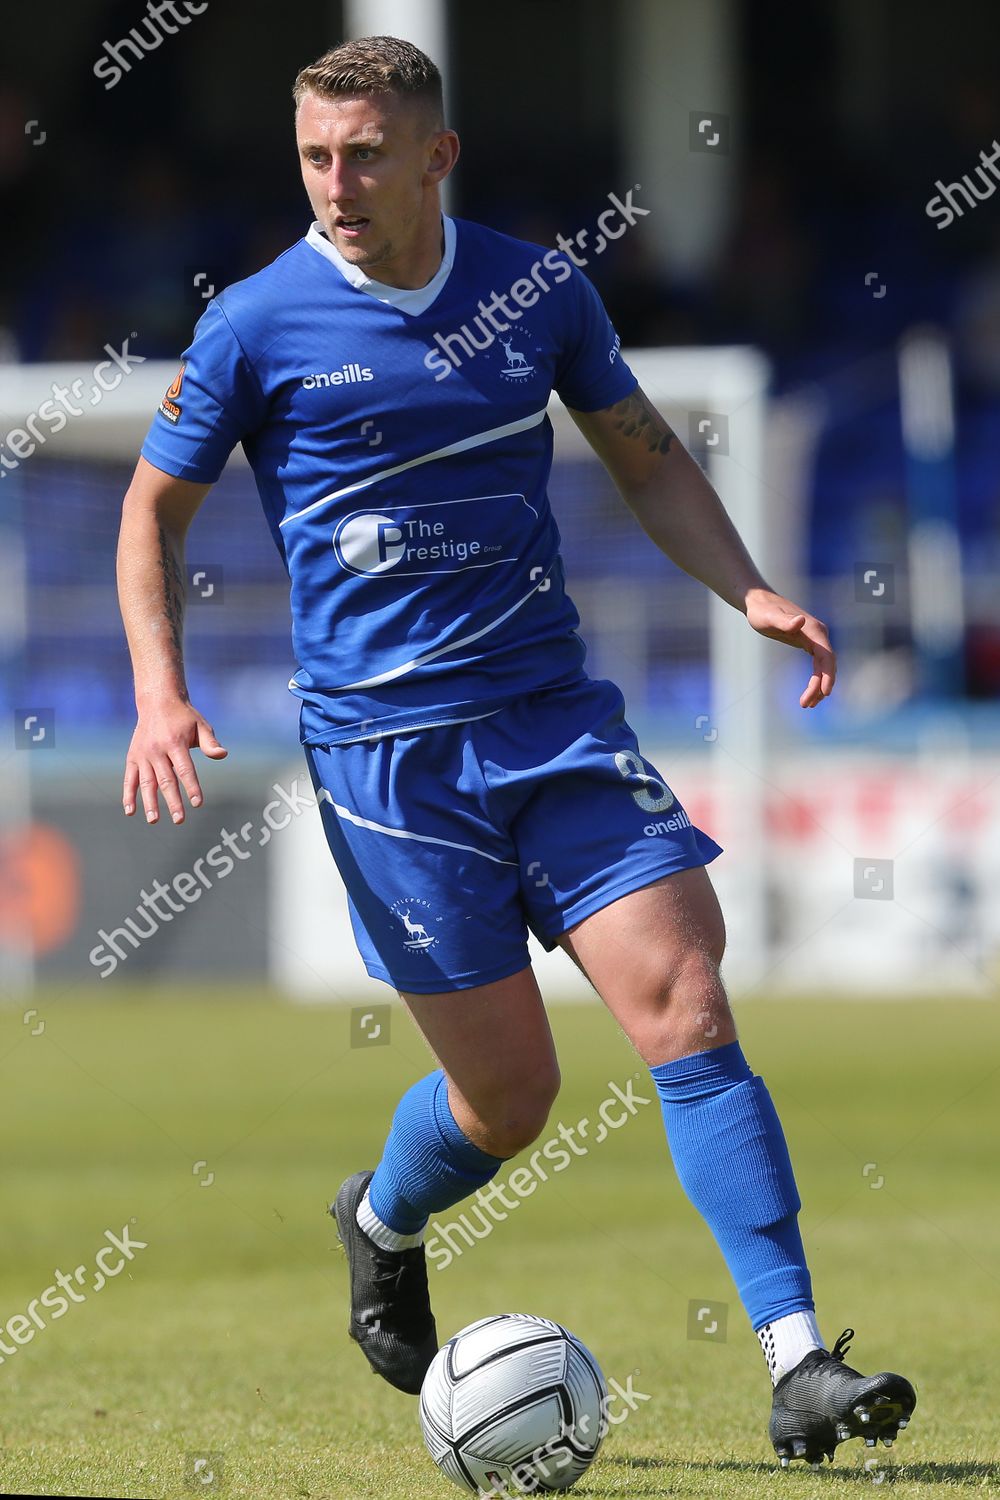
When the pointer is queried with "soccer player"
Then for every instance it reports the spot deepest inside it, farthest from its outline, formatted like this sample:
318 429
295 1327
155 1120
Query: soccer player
388 377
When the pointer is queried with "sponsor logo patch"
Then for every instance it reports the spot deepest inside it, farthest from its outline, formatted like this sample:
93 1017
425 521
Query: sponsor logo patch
169 406
441 536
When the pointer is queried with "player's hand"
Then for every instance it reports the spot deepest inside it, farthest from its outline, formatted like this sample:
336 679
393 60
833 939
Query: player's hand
159 759
781 620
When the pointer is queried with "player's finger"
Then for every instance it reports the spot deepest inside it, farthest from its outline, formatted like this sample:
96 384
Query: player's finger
129 787
184 767
813 693
207 742
783 627
818 637
823 655
824 675
166 781
826 664
148 791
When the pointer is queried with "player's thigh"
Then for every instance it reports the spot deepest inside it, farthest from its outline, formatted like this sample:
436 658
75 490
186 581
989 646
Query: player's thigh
653 957
432 882
601 825
495 1044
433 891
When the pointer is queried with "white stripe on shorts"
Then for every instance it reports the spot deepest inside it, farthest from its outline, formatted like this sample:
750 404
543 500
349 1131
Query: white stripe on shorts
401 833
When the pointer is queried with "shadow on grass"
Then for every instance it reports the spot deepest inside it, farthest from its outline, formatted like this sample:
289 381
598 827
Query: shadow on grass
880 1472
946 1473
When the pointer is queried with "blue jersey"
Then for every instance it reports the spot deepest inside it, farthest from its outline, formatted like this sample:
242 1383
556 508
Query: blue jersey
401 450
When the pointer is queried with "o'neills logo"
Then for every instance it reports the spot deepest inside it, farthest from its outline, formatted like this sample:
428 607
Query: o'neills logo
346 375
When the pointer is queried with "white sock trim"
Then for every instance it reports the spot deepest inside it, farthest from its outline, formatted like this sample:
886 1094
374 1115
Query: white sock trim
384 1237
787 1341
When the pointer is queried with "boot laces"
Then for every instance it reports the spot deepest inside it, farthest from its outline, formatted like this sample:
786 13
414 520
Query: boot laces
391 1267
842 1345
405 1275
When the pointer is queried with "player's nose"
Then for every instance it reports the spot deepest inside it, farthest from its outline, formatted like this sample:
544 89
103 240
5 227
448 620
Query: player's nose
339 188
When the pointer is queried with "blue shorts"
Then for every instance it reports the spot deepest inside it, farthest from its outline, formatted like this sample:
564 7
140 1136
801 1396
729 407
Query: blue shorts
454 841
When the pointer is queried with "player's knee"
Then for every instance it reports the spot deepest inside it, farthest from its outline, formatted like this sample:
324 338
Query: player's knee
683 959
686 970
516 1115
684 999
710 936
696 990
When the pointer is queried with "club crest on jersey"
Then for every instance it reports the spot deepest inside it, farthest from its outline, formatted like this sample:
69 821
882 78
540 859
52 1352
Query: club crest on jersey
407 909
516 367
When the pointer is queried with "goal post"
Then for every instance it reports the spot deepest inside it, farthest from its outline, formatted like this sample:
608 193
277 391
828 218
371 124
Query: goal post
716 401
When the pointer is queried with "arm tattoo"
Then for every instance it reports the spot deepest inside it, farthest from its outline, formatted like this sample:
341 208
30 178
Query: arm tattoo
636 417
173 591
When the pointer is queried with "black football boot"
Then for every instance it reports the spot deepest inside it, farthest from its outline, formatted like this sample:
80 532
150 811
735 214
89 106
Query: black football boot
823 1402
391 1314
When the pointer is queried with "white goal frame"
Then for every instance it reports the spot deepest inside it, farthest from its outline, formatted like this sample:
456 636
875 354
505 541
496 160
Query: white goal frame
731 382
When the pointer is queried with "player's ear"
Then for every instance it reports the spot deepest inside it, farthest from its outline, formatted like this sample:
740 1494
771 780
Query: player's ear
444 151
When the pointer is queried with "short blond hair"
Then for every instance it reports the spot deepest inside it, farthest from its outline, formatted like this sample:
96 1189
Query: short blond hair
374 65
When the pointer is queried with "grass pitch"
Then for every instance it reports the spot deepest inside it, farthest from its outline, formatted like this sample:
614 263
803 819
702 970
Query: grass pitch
216 1125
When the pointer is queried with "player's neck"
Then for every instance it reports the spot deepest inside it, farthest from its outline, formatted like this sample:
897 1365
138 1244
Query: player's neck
419 265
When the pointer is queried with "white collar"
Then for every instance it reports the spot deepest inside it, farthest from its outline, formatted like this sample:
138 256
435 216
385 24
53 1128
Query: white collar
409 300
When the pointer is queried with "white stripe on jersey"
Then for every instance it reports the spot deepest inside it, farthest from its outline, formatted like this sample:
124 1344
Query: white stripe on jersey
418 661
462 446
382 734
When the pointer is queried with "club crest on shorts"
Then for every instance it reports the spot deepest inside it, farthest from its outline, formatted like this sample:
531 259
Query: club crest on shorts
410 910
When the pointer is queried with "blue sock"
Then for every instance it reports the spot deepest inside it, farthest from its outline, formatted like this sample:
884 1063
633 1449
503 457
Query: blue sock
427 1164
730 1154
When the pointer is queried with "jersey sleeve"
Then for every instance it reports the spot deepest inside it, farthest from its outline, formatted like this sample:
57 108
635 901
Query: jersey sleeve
591 374
215 401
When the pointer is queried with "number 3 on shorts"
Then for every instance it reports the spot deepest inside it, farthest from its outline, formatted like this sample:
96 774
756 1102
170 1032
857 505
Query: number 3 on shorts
653 795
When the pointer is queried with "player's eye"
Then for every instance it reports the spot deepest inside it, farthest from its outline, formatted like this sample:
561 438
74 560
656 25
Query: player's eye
364 153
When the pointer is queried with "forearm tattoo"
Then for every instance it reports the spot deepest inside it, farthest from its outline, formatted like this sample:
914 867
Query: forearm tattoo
173 591
637 418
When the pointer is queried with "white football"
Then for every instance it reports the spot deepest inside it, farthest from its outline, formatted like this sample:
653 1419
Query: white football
513 1405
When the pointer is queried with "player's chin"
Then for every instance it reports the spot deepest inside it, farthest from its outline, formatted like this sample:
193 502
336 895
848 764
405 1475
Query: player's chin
363 250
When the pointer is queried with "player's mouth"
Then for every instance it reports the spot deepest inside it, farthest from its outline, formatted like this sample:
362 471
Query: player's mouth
351 226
